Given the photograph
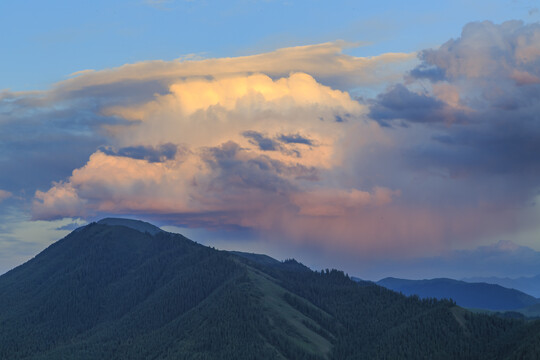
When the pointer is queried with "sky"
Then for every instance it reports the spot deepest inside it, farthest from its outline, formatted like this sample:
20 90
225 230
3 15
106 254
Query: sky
378 138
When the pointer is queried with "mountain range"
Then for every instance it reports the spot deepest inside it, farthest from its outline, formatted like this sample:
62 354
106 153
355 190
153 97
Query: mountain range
123 289
469 295
526 284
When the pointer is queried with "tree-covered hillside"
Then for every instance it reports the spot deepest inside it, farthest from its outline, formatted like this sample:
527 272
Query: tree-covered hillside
111 291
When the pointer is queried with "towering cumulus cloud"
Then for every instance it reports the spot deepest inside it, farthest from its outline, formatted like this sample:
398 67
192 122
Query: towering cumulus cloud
277 144
484 93
475 102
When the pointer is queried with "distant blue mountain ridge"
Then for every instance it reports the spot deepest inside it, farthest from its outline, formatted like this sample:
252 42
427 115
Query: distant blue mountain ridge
529 285
470 295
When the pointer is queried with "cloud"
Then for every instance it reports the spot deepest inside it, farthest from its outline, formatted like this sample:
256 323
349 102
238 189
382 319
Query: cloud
479 107
201 112
72 226
206 181
49 139
337 202
21 239
4 195
264 143
276 145
54 131
272 144
248 140
191 139
503 259
401 103
295 139
487 51
158 153
326 62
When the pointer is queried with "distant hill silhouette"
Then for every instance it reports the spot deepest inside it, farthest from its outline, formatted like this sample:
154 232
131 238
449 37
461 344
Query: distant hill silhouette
529 285
120 289
470 295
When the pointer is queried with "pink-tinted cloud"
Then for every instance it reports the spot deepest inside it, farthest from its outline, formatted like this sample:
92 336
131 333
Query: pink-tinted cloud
4 195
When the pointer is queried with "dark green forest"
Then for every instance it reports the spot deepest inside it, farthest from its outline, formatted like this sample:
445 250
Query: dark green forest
113 292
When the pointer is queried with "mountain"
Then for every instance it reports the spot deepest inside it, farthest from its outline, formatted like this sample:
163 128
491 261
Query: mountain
132 224
113 289
529 285
469 295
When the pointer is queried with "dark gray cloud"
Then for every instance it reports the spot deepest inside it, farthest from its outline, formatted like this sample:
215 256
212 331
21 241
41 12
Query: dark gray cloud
264 143
159 153
482 113
259 173
44 136
295 139
502 148
399 103
31 157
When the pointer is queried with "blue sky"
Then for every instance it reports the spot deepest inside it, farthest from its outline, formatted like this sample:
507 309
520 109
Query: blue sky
44 42
376 137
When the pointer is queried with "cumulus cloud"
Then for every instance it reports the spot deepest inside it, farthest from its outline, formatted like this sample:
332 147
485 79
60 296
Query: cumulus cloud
225 163
488 51
54 131
254 154
480 106
230 106
276 144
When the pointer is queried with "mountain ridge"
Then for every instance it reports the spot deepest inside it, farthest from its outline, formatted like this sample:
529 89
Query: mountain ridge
527 284
111 291
470 295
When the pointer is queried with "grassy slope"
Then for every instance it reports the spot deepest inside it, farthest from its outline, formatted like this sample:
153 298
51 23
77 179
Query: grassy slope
279 310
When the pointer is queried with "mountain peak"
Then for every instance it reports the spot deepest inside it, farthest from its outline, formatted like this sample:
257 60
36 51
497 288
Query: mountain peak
130 223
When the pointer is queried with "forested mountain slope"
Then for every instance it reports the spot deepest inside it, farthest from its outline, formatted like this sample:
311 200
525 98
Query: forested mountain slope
112 291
